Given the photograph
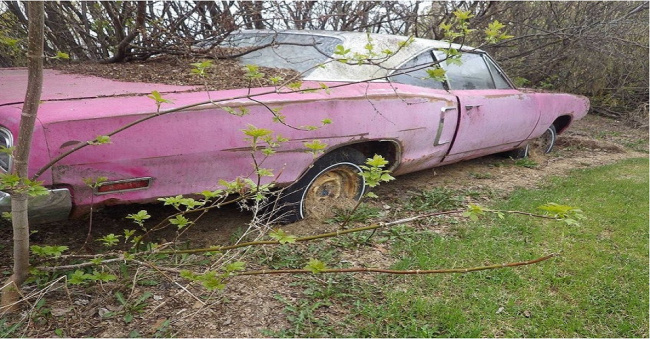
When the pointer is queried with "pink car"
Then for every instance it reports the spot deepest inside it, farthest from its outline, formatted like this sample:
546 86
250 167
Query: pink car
378 102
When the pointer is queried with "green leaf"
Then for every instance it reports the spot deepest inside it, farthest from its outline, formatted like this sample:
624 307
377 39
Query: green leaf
155 96
462 15
7 150
494 32
386 177
79 277
315 147
252 72
109 240
61 55
371 195
189 275
94 182
100 140
436 73
200 67
474 211
282 237
48 251
563 212
377 161
235 266
35 188
128 234
102 276
295 85
255 132
340 50
180 221
315 266
265 172
120 298
8 41
139 217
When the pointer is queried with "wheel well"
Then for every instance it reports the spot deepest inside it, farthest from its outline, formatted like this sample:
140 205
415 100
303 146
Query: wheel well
562 123
388 149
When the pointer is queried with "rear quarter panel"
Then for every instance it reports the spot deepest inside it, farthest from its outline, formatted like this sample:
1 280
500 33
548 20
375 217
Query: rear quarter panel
189 151
554 105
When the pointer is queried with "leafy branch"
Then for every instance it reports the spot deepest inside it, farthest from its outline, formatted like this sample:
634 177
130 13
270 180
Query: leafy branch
282 238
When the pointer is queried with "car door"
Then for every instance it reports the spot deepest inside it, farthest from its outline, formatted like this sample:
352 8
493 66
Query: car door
494 116
429 104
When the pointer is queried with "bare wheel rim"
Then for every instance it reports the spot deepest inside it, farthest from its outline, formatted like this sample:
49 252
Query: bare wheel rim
333 185
544 143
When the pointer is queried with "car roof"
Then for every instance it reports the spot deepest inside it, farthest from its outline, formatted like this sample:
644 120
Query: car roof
61 86
356 42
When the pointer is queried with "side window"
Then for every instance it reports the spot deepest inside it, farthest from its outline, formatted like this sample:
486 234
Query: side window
472 73
414 72
499 79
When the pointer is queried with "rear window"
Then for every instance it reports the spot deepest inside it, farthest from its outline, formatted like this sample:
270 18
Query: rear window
299 52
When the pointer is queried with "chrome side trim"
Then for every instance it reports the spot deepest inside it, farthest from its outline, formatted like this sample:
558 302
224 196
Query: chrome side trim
448 108
9 141
441 125
55 206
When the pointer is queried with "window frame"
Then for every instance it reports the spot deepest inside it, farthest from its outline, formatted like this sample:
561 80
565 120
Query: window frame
489 63
488 60
398 69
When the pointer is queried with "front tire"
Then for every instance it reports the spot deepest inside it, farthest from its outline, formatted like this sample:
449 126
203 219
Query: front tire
333 180
541 145
544 144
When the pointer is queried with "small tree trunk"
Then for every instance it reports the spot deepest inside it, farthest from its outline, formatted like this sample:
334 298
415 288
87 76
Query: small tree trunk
19 200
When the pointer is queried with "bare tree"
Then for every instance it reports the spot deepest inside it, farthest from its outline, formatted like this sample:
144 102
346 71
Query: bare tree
20 196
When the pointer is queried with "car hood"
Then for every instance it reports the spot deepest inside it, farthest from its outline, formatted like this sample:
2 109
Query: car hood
61 86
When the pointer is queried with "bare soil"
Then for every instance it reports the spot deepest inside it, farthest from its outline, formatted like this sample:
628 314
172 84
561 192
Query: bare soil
251 306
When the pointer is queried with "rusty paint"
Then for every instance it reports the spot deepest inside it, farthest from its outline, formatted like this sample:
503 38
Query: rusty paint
69 143
412 129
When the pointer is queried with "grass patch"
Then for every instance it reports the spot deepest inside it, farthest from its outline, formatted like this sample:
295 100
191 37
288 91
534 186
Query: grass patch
597 287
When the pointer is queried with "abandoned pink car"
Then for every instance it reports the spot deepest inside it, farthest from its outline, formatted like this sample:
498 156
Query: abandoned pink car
377 91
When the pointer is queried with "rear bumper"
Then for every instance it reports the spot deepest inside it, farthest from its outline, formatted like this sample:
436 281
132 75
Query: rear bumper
55 206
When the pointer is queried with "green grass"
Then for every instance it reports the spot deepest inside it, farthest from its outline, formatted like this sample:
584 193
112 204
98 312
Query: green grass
597 287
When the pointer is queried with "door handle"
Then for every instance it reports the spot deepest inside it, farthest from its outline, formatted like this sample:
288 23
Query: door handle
470 107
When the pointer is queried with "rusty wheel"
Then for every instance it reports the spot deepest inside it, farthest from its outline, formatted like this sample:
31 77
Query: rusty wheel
544 144
332 181
338 183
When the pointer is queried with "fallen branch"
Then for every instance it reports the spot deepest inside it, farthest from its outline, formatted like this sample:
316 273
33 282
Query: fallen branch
385 271
266 242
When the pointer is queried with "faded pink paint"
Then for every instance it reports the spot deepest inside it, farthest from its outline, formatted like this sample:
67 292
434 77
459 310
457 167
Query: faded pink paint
189 151
61 86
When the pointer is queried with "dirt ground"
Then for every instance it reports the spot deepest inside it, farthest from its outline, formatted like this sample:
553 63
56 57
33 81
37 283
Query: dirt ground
250 306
